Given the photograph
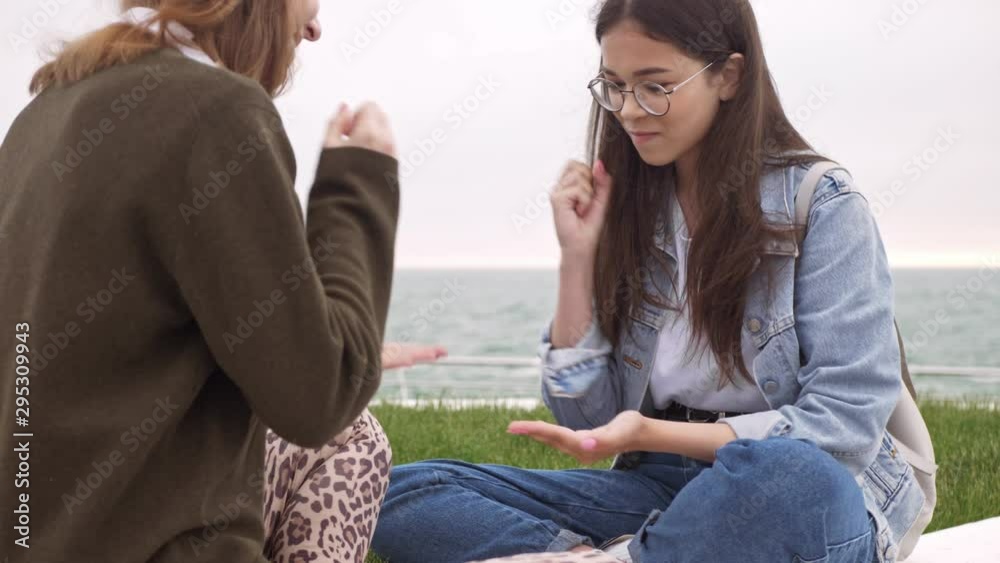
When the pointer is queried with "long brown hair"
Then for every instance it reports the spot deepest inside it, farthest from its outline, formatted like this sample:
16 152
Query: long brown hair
255 38
750 132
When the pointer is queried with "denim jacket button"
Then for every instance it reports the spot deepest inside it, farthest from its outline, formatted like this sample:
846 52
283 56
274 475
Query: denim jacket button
771 386
754 325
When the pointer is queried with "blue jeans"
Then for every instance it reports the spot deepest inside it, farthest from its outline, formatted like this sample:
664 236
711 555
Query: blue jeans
772 500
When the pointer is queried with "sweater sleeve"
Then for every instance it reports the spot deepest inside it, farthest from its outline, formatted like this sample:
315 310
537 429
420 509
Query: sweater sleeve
294 316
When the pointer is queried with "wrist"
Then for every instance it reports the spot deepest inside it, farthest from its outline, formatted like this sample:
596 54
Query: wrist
577 261
639 441
655 435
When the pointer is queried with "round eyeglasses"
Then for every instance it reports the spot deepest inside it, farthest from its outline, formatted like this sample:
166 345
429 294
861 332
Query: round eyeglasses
651 97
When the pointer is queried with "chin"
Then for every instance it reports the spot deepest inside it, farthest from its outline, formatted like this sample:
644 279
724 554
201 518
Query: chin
655 157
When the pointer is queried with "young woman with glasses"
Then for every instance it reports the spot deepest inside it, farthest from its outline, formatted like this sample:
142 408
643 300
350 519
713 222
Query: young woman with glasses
742 381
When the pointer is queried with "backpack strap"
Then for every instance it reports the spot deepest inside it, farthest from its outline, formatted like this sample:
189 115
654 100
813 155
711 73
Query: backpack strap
803 199
902 360
804 196
906 425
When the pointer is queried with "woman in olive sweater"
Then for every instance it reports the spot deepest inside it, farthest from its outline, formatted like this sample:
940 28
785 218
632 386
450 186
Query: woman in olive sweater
164 303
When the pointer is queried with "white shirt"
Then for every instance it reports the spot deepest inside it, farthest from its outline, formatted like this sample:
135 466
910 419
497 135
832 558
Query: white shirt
693 381
177 35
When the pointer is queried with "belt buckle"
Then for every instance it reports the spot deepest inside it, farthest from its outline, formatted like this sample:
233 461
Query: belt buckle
687 412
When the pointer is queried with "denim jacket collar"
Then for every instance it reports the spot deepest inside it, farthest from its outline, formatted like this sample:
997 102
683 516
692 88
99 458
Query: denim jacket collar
776 201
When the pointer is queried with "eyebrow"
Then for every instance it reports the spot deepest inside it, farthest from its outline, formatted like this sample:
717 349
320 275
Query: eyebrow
643 72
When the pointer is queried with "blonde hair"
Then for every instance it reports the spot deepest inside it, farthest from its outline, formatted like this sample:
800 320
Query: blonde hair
255 38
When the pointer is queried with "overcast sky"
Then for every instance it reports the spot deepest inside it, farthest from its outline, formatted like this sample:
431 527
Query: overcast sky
488 101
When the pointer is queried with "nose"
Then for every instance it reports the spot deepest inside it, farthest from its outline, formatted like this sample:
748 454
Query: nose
631 110
313 31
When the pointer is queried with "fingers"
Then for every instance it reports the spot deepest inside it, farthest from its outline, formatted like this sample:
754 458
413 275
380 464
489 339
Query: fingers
558 437
397 355
579 445
575 175
540 430
426 354
602 185
574 189
577 198
588 441
527 427
339 127
368 127
371 120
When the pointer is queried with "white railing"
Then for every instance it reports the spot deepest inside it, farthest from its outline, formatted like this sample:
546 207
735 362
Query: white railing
985 372
525 377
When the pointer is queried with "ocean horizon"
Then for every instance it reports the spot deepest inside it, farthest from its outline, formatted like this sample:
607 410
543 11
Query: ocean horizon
947 316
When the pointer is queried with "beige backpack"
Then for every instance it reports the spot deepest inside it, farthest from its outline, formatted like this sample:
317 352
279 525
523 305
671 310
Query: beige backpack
906 425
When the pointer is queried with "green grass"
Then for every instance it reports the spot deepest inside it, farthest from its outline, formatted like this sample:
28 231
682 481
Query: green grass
965 442
967 452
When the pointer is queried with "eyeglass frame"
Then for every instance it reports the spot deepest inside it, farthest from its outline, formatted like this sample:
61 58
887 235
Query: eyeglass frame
666 92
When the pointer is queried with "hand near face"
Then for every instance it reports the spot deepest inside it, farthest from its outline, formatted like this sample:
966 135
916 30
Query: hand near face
579 205
367 128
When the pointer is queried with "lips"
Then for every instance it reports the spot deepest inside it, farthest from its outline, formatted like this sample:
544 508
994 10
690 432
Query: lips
640 137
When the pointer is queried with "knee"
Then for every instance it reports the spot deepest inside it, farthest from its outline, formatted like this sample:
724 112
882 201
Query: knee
778 451
360 459
419 475
413 476
371 439
793 471
780 488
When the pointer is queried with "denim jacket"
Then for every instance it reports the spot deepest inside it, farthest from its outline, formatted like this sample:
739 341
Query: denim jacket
825 355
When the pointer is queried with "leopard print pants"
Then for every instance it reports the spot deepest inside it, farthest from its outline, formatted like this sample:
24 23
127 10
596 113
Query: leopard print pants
321 505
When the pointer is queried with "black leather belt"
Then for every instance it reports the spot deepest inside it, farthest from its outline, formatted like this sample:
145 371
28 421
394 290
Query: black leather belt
677 411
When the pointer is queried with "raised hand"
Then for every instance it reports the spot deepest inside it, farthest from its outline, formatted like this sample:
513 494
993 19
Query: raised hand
367 128
579 206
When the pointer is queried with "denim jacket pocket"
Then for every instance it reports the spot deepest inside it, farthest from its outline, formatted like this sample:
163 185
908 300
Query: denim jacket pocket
649 315
886 475
638 339
769 319
770 304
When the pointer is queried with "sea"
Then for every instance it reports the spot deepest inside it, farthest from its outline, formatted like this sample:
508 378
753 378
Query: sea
948 318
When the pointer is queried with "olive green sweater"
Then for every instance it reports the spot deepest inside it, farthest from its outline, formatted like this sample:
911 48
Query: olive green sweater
174 304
